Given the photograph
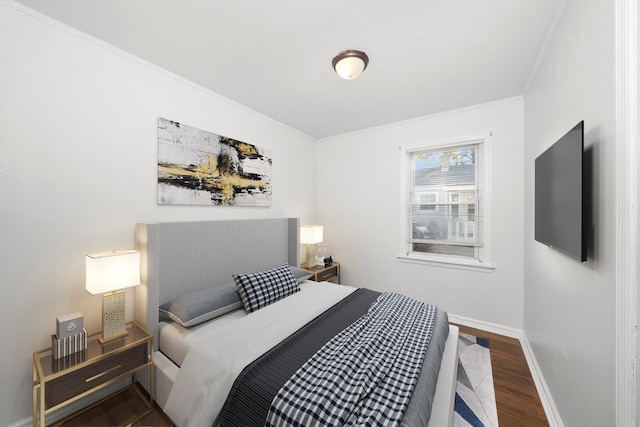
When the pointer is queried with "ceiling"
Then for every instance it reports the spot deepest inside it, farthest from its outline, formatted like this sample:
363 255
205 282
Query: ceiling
274 56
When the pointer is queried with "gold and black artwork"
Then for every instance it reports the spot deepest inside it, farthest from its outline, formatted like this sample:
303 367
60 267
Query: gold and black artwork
197 167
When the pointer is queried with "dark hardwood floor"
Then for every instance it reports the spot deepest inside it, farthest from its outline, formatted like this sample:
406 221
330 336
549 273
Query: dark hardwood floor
119 410
517 399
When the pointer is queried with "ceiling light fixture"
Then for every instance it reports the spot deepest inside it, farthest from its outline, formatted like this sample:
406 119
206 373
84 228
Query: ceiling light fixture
349 64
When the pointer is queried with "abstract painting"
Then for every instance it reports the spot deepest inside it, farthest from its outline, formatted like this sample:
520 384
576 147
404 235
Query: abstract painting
196 167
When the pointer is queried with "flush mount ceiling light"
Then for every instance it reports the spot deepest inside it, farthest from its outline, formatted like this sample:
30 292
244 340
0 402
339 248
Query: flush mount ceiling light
349 64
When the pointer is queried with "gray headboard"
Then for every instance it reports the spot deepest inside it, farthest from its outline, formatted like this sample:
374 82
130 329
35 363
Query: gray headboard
182 257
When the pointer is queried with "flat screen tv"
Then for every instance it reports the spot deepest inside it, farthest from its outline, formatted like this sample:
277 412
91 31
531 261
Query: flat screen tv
559 210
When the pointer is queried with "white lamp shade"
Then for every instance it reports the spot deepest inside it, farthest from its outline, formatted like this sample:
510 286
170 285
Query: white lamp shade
350 67
112 271
310 234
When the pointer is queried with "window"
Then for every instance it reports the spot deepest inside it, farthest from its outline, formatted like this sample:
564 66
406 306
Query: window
446 204
428 201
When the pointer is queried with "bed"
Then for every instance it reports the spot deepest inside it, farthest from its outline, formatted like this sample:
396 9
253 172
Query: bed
200 368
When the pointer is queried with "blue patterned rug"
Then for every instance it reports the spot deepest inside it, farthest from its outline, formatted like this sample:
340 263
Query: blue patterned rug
475 397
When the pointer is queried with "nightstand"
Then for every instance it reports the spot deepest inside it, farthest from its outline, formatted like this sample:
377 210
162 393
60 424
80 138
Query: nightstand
323 274
57 383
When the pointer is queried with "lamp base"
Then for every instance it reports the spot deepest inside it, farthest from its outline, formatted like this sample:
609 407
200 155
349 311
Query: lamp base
311 255
113 326
109 340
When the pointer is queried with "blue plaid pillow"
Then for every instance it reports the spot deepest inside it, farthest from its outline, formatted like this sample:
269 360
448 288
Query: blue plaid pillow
258 290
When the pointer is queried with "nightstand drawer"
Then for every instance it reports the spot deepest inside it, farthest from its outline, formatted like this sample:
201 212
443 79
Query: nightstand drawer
327 274
80 380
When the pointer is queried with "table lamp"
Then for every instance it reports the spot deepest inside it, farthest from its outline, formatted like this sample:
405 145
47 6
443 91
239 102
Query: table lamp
311 235
109 273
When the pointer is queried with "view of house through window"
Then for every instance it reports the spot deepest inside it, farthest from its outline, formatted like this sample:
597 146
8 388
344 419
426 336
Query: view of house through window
445 201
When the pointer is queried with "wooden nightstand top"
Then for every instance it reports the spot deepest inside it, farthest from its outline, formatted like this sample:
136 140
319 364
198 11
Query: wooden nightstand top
317 268
322 274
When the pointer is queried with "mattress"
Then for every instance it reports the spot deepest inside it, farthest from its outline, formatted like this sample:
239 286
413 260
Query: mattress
175 340
212 355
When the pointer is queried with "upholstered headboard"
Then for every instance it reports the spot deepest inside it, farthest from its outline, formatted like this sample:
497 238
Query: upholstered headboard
182 257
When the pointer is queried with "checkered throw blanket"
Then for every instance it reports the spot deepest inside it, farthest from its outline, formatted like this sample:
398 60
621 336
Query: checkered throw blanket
366 374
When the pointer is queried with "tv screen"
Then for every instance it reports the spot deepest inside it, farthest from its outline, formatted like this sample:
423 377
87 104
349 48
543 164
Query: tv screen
559 214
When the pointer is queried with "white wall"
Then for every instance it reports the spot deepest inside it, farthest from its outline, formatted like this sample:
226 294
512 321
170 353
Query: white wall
359 206
569 307
78 156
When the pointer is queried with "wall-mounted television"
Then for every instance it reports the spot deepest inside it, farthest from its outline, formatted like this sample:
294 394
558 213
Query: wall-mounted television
559 195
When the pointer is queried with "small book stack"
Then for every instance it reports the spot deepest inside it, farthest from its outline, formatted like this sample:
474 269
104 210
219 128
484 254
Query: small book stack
69 345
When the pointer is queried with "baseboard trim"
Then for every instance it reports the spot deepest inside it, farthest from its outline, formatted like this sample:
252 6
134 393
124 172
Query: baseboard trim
486 326
25 422
549 406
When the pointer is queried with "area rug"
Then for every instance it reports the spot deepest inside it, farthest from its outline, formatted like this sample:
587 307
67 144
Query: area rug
475 403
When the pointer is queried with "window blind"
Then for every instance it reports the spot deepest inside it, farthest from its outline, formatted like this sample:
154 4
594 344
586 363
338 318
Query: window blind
446 193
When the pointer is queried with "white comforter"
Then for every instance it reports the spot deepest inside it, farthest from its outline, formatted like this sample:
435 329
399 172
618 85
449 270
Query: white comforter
211 366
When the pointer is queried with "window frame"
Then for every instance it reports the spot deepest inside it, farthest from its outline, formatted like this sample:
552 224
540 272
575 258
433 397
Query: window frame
483 261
